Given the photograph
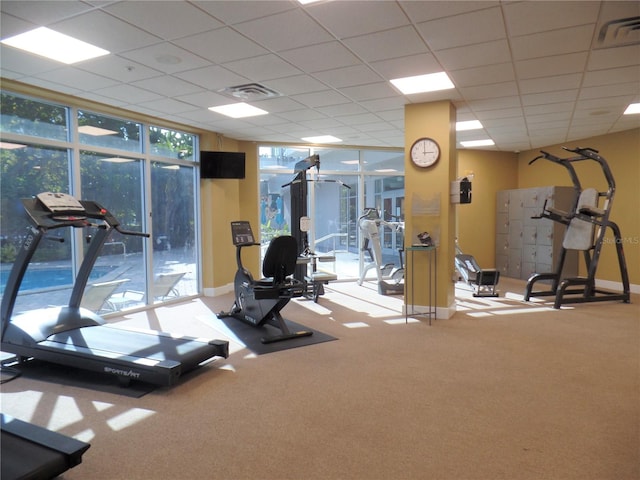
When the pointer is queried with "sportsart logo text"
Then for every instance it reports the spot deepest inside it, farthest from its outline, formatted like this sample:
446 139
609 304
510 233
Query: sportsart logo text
122 373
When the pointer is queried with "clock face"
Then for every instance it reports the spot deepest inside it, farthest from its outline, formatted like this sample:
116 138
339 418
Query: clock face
425 152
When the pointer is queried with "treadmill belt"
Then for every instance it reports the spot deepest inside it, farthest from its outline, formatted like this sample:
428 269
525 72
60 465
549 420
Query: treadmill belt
111 342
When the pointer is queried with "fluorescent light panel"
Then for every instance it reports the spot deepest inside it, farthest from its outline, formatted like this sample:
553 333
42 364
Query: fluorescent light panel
478 143
423 83
322 139
55 46
632 109
238 110
468 125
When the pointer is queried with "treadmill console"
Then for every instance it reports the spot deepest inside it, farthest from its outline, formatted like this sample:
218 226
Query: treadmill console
62 205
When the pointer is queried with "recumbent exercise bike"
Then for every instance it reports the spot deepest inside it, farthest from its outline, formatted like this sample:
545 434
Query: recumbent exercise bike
259 302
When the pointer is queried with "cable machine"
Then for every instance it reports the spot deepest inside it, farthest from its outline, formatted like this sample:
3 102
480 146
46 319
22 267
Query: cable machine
586 224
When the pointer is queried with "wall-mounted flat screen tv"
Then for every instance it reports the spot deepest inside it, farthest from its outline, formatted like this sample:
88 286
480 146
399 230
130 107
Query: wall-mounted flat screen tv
222 164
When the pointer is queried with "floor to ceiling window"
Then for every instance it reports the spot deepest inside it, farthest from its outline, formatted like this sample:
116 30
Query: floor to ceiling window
145 175
346 182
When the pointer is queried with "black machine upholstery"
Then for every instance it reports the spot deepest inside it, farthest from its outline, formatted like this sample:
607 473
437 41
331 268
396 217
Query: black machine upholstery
280 259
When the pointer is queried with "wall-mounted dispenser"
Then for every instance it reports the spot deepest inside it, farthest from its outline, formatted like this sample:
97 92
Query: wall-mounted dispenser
461 190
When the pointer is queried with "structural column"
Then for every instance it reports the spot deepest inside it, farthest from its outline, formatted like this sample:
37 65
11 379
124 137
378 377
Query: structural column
427 205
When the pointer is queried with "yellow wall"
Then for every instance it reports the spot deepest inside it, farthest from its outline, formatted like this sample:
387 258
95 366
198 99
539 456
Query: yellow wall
495 171
476 221
622 152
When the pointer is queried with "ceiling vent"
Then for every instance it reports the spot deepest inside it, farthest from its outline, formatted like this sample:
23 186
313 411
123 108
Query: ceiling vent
618 33
249 92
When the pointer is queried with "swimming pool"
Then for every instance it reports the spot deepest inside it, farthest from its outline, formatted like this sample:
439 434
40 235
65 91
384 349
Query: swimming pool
37 278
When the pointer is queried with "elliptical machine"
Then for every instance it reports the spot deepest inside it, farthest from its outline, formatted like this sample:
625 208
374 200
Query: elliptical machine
369 223
259 302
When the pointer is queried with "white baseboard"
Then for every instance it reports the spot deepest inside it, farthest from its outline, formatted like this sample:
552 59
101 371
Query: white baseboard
217 291
442 313
616 286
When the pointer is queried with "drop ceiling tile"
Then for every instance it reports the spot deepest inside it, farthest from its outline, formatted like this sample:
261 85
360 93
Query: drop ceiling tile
279 105
167 20
433 9
263 67
501 103
549 84
612 76
348 76
488 74
286 30
497 114
128 94
556 42
78 79
546 98
104 31
556 65
118 68
213 77
43 12
523 18
481 54
342 110
548 108
26 63
620 89
168 105
407 66
399 42
614 57
320 99
563 117
325 56
295 84
472 28
354 18
231 12
494 90
221 45
372 91
167 86
165 57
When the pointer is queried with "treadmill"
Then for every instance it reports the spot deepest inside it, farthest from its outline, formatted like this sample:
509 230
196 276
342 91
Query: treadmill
77 337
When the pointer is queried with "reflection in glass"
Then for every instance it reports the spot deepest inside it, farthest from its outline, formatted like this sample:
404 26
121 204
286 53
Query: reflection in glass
108 132
35 118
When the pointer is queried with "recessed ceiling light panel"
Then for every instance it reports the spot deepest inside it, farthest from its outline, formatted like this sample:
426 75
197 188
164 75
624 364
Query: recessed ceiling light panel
632 108
478 143
238 110
468 125
54 46
322 139
423 83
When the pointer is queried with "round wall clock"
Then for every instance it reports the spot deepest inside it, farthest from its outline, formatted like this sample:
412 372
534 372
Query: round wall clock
425 152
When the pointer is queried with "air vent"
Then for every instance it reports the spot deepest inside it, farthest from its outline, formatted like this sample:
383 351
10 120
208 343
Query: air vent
618 33
249 91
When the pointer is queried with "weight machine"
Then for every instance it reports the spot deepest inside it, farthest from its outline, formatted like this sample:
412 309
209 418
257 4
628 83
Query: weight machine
586 226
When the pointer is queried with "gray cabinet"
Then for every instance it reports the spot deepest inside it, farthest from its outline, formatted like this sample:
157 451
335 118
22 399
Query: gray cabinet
526 245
